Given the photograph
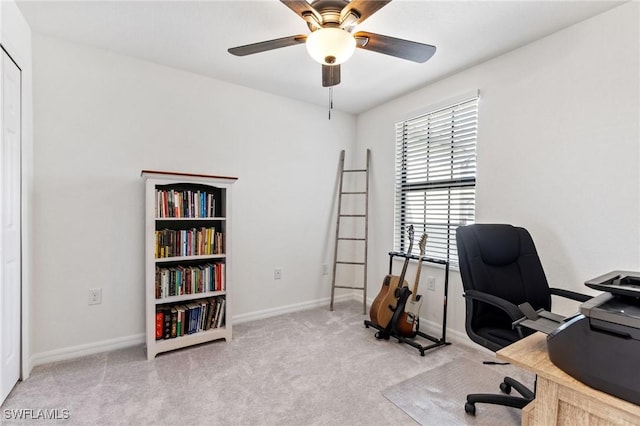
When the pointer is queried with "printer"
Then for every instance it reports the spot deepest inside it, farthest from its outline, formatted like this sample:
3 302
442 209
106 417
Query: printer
600 346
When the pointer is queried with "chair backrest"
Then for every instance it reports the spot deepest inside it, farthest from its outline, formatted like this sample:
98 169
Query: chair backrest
500 260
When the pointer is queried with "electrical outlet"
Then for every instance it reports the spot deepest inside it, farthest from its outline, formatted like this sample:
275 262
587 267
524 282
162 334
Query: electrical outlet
431 283
277 274
325 269
95 296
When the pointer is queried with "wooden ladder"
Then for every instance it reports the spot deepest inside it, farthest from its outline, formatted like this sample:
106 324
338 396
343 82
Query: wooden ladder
364 219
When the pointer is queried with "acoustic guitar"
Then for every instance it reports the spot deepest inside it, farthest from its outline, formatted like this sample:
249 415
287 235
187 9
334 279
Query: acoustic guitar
409 322
385 303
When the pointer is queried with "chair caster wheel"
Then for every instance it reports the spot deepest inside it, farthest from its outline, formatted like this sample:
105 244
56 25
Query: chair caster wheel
470 408
505 387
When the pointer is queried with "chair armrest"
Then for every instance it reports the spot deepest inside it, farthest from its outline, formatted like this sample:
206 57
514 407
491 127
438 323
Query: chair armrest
569 294
512 310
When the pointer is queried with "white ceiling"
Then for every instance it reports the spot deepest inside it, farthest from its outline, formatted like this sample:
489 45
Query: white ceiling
194 36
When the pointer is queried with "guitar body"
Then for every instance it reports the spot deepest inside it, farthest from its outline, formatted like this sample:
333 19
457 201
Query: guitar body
409 323
388 302
377 302
385 303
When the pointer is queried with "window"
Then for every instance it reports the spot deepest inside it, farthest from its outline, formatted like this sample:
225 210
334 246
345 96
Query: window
436 177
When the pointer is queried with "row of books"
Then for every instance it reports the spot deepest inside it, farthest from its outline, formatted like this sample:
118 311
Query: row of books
180 319
185 203
179 280
188 242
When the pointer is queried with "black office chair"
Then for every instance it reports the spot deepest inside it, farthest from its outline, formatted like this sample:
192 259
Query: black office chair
500 270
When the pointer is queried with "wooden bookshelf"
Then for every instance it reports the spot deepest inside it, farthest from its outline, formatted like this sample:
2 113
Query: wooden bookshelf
187 259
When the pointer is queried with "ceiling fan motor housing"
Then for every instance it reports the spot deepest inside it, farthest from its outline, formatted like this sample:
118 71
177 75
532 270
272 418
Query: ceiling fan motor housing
330 14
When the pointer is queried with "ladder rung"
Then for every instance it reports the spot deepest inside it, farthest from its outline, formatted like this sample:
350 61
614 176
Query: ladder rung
355 171
350 263
353 215
353 192
347 286
351 239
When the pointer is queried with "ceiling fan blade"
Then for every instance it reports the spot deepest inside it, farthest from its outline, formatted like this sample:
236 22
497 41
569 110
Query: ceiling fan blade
301 7
330 75
363 8
400 48
263 46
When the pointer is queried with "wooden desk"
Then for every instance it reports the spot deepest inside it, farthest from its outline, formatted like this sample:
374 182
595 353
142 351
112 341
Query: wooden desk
561 399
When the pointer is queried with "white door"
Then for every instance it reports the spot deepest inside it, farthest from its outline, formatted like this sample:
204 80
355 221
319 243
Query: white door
10 261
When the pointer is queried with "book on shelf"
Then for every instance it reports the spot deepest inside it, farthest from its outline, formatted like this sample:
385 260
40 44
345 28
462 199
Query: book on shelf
174 321
179 315
159 324
210 309
179 319
219 313
203 316
195 315
216 315
166 331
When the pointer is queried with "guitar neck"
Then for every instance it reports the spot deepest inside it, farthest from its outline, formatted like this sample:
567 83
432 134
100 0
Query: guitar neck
404 267
417 281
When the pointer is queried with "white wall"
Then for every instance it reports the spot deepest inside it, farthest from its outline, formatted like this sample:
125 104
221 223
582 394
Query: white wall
15 38
558 151
101 118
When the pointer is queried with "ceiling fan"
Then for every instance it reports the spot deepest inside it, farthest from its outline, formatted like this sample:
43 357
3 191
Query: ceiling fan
332 39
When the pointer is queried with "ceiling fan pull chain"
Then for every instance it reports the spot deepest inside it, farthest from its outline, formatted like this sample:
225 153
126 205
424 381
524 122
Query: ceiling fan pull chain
330 101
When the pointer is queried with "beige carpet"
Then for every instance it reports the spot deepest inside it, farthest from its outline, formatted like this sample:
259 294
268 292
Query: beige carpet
437 397
314 367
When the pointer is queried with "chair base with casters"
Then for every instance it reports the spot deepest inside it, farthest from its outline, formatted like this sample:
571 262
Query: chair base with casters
504 400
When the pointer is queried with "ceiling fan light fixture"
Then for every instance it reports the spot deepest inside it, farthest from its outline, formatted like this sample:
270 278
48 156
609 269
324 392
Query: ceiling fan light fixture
331 46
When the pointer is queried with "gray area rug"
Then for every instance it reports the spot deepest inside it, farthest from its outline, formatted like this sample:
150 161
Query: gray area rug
437 397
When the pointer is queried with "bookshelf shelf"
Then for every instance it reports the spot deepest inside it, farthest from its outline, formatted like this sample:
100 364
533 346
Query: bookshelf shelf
193 339
186 219
187 260
186 297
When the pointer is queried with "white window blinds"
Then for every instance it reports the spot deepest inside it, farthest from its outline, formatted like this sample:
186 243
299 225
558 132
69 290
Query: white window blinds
436 177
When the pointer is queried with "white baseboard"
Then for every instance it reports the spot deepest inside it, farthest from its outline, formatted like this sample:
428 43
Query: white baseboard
72 352
281 310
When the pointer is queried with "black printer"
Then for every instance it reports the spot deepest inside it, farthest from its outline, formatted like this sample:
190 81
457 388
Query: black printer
600 346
